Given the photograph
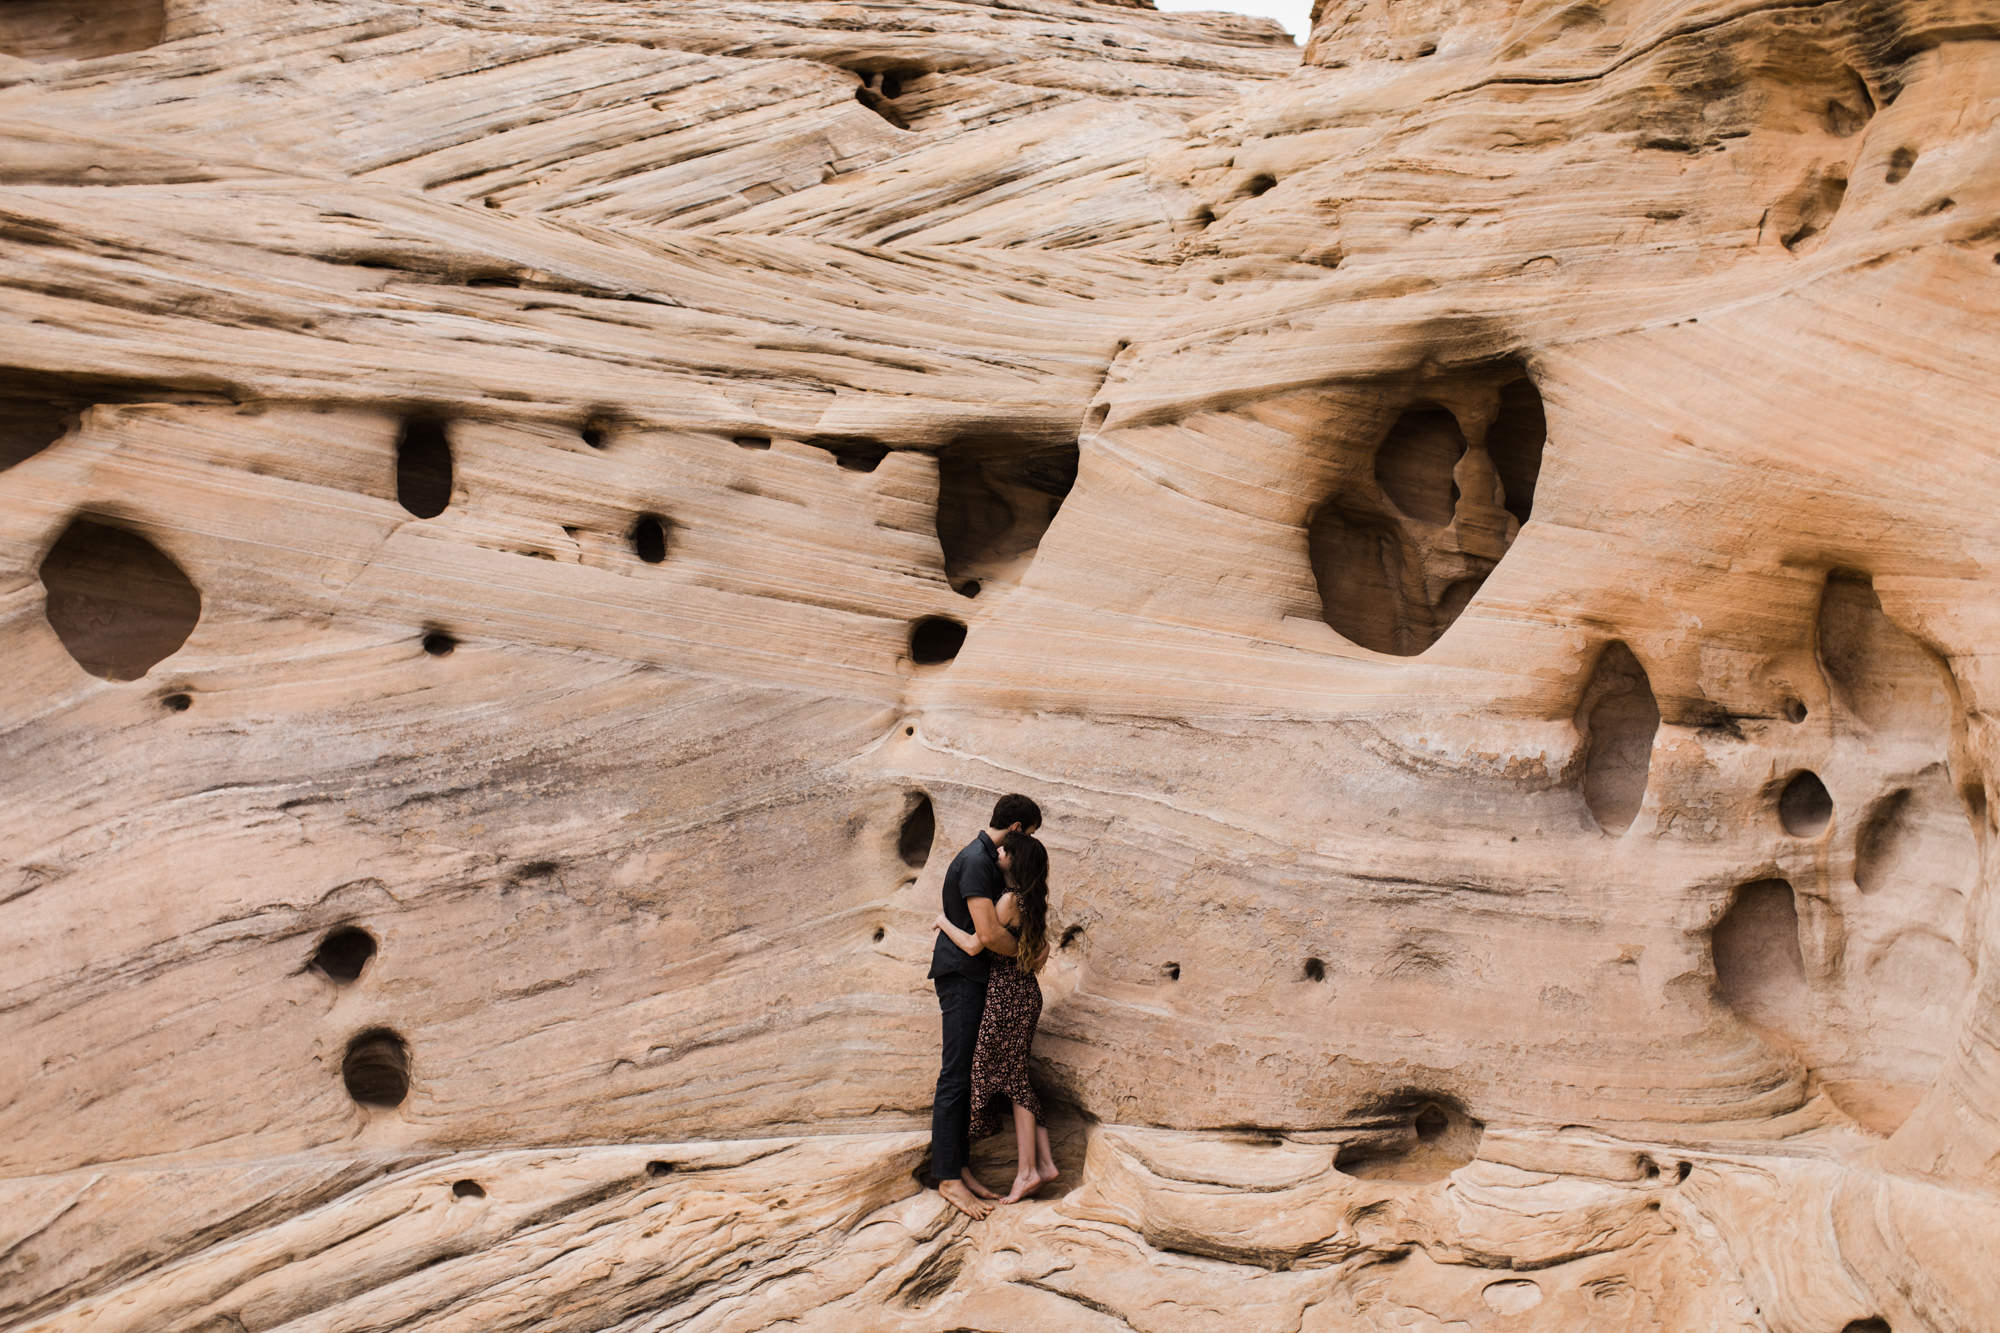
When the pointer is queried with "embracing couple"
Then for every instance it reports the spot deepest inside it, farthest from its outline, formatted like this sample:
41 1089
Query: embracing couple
992 938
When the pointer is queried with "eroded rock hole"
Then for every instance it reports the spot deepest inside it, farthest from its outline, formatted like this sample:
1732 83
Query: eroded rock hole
1263 183
1867 1326
118 603
1414 464
881 106
467 1189
30 423
1172 971
857 455
1411 1137
753 441
935 640
658 1169
880 934
596 432
1315 969
649 538
996 500
1759 969
1804 806
439 644
343 953
1515 441
423 467
1811 208
919 831
376 1069
1795 710
177 702
1618 717
52 30
1070 936
1900 163
1396 568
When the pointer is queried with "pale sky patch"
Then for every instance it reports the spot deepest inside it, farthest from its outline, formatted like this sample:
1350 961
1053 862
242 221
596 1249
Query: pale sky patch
1291 13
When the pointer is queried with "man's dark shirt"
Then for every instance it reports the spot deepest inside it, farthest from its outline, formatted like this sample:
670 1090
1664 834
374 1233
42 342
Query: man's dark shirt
974 873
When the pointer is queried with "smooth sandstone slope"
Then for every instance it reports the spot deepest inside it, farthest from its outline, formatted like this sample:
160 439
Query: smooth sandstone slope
1477 531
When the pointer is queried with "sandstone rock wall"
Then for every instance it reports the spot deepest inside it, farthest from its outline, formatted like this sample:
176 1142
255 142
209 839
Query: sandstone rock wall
533 528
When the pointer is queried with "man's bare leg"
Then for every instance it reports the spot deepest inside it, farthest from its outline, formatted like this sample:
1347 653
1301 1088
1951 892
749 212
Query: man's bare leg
1045 1160
977 1186
958 1196
1027 1178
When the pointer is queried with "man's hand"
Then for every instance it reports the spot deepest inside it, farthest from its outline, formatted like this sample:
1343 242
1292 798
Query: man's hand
986 925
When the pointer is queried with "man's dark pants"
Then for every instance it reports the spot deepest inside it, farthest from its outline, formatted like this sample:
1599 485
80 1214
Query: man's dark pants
962 1000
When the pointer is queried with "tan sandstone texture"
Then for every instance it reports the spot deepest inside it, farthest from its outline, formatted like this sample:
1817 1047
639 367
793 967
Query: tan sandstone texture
530 529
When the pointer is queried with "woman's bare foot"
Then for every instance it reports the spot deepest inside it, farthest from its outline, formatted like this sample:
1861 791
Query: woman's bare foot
958 1196
1047 1171
974 1184
1025 1183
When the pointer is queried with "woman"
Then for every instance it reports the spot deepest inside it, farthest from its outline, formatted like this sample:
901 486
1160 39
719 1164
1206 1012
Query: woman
1013 1007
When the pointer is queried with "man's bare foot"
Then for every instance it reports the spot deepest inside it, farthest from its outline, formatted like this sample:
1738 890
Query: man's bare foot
977 1186
958 1196
1025 1183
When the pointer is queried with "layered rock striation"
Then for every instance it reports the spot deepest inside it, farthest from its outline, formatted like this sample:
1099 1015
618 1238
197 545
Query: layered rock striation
531 529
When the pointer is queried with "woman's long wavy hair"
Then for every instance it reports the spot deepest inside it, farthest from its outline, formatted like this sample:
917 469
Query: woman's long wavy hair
1028 875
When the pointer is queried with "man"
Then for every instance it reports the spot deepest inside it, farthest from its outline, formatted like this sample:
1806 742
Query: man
972 886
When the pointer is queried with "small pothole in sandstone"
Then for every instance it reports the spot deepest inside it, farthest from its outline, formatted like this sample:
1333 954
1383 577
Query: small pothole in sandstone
1804 806
596 431
344 953
649 538
467 1189
118 603
423 467
177 702
935 640
1315 969
656 1169
1172 971
376 1068
439 644
918 831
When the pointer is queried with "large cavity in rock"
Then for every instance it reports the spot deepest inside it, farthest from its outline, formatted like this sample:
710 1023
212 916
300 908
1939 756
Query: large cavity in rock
1618 717
1454 476
119 604
996 498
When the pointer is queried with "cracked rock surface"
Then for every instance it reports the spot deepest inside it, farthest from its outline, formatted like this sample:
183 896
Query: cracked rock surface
531 529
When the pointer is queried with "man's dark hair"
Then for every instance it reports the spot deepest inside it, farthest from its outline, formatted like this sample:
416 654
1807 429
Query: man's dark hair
1014 808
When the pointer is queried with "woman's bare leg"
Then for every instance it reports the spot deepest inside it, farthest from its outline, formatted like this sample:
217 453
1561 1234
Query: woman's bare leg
1045 1160
973 1183
1027 1177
